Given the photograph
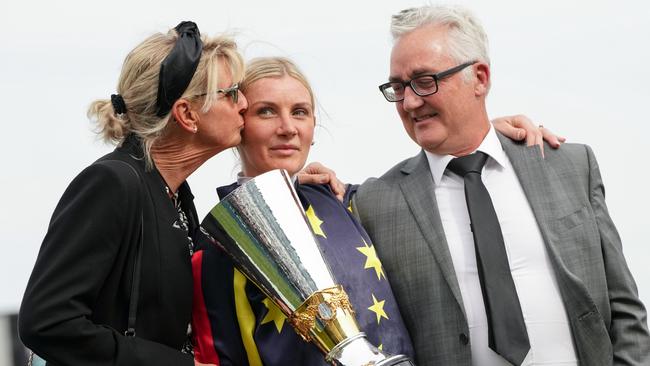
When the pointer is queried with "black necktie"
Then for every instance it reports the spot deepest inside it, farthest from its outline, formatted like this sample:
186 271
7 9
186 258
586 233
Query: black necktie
507 334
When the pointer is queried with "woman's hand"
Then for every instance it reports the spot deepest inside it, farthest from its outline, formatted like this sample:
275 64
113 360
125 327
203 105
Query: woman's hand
317 173
519 127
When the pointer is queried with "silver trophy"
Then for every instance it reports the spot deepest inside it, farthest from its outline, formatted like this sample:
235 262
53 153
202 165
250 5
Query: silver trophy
262 226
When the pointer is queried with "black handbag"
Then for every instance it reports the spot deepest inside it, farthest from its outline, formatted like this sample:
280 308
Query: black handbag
35 360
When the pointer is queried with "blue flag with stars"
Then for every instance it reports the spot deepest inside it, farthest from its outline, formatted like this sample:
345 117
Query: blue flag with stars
234 323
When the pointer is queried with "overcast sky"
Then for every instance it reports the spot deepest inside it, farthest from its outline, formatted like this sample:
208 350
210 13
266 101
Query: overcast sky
578 67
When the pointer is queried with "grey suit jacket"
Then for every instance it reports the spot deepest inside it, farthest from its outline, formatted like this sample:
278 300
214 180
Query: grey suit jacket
565 191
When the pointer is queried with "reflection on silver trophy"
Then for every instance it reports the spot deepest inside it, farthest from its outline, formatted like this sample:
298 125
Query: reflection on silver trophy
263 228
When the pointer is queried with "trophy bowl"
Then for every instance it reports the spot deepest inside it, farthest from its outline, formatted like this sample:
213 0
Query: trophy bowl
263 228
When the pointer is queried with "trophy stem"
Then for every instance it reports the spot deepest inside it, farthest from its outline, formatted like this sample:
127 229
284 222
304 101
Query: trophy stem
357 351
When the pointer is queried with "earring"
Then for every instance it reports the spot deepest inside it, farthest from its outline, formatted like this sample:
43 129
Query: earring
313 143
195 129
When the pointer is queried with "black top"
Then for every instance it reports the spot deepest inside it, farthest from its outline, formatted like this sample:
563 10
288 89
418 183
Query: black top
75 307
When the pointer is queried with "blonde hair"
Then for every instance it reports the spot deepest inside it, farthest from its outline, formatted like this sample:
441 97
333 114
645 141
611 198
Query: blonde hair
138 86
274 67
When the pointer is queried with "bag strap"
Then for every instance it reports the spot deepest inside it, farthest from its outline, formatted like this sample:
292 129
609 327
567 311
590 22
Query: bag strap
135 284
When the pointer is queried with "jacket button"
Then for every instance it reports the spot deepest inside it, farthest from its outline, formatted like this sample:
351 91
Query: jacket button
463 338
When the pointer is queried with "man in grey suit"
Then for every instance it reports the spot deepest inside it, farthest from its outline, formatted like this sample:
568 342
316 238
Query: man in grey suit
572 285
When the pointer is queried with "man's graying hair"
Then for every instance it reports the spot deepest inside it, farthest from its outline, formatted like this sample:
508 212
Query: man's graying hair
467 39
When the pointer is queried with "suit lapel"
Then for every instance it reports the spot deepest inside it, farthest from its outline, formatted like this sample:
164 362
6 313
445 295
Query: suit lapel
538 181
417 188
549 201
534 176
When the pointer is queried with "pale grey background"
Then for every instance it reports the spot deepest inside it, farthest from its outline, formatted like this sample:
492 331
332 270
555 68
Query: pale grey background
579 67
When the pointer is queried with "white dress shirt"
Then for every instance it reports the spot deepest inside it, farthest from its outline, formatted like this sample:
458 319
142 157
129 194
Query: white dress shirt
544 313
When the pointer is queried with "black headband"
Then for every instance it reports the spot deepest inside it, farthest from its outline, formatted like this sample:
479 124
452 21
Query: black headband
177 69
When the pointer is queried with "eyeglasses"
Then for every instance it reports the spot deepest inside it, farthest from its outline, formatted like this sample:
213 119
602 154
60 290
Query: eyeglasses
232 92
422 85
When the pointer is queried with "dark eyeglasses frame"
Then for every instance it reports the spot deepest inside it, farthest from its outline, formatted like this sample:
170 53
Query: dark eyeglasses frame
436 77
232 92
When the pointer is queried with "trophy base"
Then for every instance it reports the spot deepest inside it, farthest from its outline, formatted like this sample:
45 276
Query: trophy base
357 351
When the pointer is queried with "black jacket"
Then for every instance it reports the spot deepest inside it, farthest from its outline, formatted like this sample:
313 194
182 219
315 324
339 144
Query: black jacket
75 307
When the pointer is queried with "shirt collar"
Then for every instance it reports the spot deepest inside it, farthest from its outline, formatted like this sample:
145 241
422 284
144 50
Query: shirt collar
490 145
241 178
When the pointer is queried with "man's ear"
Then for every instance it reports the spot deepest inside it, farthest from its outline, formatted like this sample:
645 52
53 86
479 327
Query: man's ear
482 79
186 117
